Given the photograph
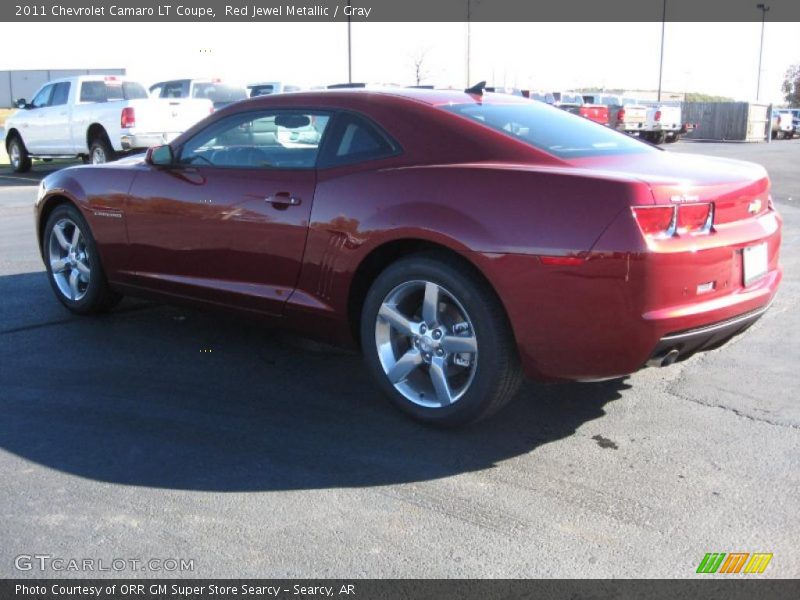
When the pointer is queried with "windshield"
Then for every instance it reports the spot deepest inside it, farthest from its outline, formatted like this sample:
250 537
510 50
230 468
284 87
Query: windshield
218 92
554 131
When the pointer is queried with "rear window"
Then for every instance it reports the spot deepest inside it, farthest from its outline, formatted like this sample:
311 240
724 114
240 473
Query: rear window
550 129
101 91
261 90
571 99
218 92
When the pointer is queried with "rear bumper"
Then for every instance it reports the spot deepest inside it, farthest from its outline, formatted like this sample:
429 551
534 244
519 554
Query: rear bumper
679 346
134 141
616 311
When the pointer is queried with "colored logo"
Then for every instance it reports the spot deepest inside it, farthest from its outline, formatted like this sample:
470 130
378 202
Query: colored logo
734 562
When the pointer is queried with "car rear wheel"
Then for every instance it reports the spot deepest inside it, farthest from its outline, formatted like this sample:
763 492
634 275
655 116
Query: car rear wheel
437 340
101 151
18 156
73 264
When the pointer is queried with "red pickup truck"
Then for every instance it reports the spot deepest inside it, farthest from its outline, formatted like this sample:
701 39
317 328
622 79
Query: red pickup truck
574 103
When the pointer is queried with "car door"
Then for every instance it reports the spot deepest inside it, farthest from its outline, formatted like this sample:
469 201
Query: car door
34 133
227 222
56 120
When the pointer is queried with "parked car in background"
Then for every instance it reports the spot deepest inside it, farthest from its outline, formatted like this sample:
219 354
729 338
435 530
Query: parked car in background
662 122
783 124
97 118
265 88
574 103
220 94
795 119
599 256
546 97
629 116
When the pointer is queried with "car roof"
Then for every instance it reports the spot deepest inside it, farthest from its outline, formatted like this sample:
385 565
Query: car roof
424 96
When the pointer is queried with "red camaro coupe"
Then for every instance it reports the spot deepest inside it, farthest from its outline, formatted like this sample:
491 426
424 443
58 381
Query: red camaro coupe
461 239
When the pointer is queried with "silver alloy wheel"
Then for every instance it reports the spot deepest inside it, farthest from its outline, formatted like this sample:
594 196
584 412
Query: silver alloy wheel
15 155
69 259
98 156
426 344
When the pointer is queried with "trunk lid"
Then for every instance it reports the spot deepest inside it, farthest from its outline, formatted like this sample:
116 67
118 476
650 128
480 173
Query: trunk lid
739 190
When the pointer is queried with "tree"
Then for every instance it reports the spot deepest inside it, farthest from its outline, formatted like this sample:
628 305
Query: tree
791 86
696 97
418 60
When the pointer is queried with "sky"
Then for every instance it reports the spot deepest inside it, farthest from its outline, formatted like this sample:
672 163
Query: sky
711 58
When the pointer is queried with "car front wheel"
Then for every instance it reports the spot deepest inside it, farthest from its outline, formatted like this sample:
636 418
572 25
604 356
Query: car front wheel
73 264
437 340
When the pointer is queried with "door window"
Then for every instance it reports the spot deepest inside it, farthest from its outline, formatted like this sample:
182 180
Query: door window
60 94
286 139
42 99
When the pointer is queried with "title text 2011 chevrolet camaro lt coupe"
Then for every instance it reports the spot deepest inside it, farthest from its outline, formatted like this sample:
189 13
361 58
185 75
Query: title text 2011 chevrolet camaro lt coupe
461 239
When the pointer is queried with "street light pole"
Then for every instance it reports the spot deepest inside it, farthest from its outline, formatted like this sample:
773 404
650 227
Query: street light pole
349 49
661 62
763 8
469 37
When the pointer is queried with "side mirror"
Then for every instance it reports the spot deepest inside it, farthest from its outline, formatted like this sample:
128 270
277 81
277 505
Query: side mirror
160 156
21 103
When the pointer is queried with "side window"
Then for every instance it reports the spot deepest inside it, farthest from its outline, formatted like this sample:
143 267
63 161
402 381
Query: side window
43 97
93 91
285 139
355 140
60 94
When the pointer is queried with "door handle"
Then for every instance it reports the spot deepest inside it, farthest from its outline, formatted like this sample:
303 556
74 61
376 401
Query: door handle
283 199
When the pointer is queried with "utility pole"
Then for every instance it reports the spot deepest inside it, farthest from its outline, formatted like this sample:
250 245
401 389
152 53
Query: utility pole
469 37
661 63
763 8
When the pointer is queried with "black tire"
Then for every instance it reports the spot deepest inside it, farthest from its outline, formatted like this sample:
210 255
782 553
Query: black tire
671 139
97 295
101 147
16 148
497 372
658 137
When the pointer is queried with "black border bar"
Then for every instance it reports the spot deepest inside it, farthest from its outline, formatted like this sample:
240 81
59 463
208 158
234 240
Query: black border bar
397 10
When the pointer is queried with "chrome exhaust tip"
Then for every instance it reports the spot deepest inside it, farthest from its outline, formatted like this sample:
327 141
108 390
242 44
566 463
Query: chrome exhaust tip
664 360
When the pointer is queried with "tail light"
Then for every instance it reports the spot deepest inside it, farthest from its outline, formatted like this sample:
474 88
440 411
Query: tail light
662 222
695 218
658 115
127 118
621 114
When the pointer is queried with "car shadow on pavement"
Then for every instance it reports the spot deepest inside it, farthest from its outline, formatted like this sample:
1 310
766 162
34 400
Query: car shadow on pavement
32 178
167 397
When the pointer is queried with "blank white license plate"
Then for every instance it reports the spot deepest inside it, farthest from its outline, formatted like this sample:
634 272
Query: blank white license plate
755 263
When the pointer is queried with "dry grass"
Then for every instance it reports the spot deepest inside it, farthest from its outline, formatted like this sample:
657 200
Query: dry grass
4 114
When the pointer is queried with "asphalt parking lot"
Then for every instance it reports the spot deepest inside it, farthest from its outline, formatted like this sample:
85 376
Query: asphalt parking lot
272 456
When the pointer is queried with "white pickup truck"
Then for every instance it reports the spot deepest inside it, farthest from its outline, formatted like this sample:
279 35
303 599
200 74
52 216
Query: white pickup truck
663 123
96 118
